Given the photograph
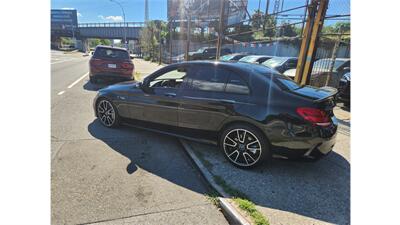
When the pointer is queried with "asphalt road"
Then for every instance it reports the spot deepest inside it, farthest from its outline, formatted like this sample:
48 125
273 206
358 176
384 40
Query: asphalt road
115 176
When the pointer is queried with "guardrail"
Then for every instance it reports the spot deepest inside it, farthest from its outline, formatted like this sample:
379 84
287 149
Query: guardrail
118 24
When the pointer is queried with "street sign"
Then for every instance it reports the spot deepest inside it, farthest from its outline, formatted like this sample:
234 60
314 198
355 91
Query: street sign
64 21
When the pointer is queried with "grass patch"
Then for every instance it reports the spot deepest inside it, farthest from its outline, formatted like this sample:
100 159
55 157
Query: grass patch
137 76
228 189
212 196
251 210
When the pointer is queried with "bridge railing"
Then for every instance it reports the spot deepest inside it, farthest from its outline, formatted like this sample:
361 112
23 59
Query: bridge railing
115 24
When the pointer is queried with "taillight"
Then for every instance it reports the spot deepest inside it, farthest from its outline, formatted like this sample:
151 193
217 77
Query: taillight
96 62
127 65
315 116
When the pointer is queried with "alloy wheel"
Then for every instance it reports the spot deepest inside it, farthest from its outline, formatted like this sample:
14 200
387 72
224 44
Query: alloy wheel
106 113
242 147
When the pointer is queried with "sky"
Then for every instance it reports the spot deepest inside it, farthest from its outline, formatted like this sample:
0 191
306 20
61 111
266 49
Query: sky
107 11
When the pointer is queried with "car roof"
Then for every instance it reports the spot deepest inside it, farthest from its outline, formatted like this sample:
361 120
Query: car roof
285 57
110 47
246 68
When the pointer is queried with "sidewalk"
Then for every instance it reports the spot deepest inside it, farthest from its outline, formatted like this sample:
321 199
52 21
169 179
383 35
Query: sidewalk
144 68
290 192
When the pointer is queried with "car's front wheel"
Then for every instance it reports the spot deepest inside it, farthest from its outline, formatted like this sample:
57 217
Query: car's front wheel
107 113
244 146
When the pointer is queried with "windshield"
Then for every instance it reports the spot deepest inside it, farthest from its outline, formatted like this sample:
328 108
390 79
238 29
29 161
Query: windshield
326 63
201 50
274 62
250 58
226 57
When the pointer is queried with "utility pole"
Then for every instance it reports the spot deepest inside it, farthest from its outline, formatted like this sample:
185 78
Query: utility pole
266 14
170 41
123 14
304 18
315 21
189 21
221 29
146 10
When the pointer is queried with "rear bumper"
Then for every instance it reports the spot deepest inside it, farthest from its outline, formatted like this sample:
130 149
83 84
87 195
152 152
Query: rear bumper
302 141
111 76
317 150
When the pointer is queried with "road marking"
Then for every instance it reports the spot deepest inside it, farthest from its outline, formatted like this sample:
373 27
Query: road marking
61 92
80 78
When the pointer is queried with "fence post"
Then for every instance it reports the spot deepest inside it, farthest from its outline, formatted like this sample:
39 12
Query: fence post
315 21
333 57
221 30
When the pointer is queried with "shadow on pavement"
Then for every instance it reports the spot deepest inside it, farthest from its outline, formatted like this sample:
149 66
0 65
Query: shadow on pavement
94 87
158 154
319 190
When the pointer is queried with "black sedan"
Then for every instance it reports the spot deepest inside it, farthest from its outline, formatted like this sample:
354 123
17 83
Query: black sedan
250 111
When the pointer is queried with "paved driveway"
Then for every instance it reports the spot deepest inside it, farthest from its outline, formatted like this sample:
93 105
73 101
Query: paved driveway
116 176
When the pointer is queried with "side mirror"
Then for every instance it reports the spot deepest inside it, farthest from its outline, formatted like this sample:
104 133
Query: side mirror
92 53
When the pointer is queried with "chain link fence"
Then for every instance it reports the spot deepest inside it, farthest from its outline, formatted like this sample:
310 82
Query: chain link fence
274 28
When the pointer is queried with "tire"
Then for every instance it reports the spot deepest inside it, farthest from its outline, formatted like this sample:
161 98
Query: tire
107 113
244 146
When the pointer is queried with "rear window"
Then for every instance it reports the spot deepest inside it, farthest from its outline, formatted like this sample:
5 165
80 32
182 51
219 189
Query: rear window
108 53
288 83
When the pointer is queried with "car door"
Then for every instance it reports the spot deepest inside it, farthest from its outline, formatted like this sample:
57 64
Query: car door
161 102
203 101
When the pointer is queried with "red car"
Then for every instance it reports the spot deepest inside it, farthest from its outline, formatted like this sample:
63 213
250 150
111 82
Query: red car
111 64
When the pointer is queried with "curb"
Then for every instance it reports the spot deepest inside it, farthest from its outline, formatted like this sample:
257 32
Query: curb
234 217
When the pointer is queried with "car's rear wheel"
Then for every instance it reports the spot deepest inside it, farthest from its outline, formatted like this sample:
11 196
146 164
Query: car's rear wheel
244 146
107 113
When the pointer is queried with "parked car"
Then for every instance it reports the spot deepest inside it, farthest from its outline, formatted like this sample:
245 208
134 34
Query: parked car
233 57
291 73
321 68
111 63
258 59
251 111
207 53
344 89
281 64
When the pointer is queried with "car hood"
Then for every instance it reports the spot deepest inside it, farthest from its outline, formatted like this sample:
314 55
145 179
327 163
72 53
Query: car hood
121 86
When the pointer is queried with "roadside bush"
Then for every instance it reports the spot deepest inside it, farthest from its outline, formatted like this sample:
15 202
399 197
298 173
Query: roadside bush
147 58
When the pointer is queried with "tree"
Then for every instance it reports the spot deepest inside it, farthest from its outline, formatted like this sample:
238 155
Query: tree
269 26
288 30
257 20
150 37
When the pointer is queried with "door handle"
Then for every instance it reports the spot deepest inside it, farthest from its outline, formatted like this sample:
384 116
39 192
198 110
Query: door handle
170 94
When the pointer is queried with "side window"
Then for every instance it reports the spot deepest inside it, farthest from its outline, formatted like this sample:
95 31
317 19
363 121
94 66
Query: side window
208 78
236 85
292 63
169 79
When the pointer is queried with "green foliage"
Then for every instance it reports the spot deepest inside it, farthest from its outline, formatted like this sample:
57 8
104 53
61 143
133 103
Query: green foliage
335 28
287 30
151 36
269 26
66 41
93 42
257 20
251 210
